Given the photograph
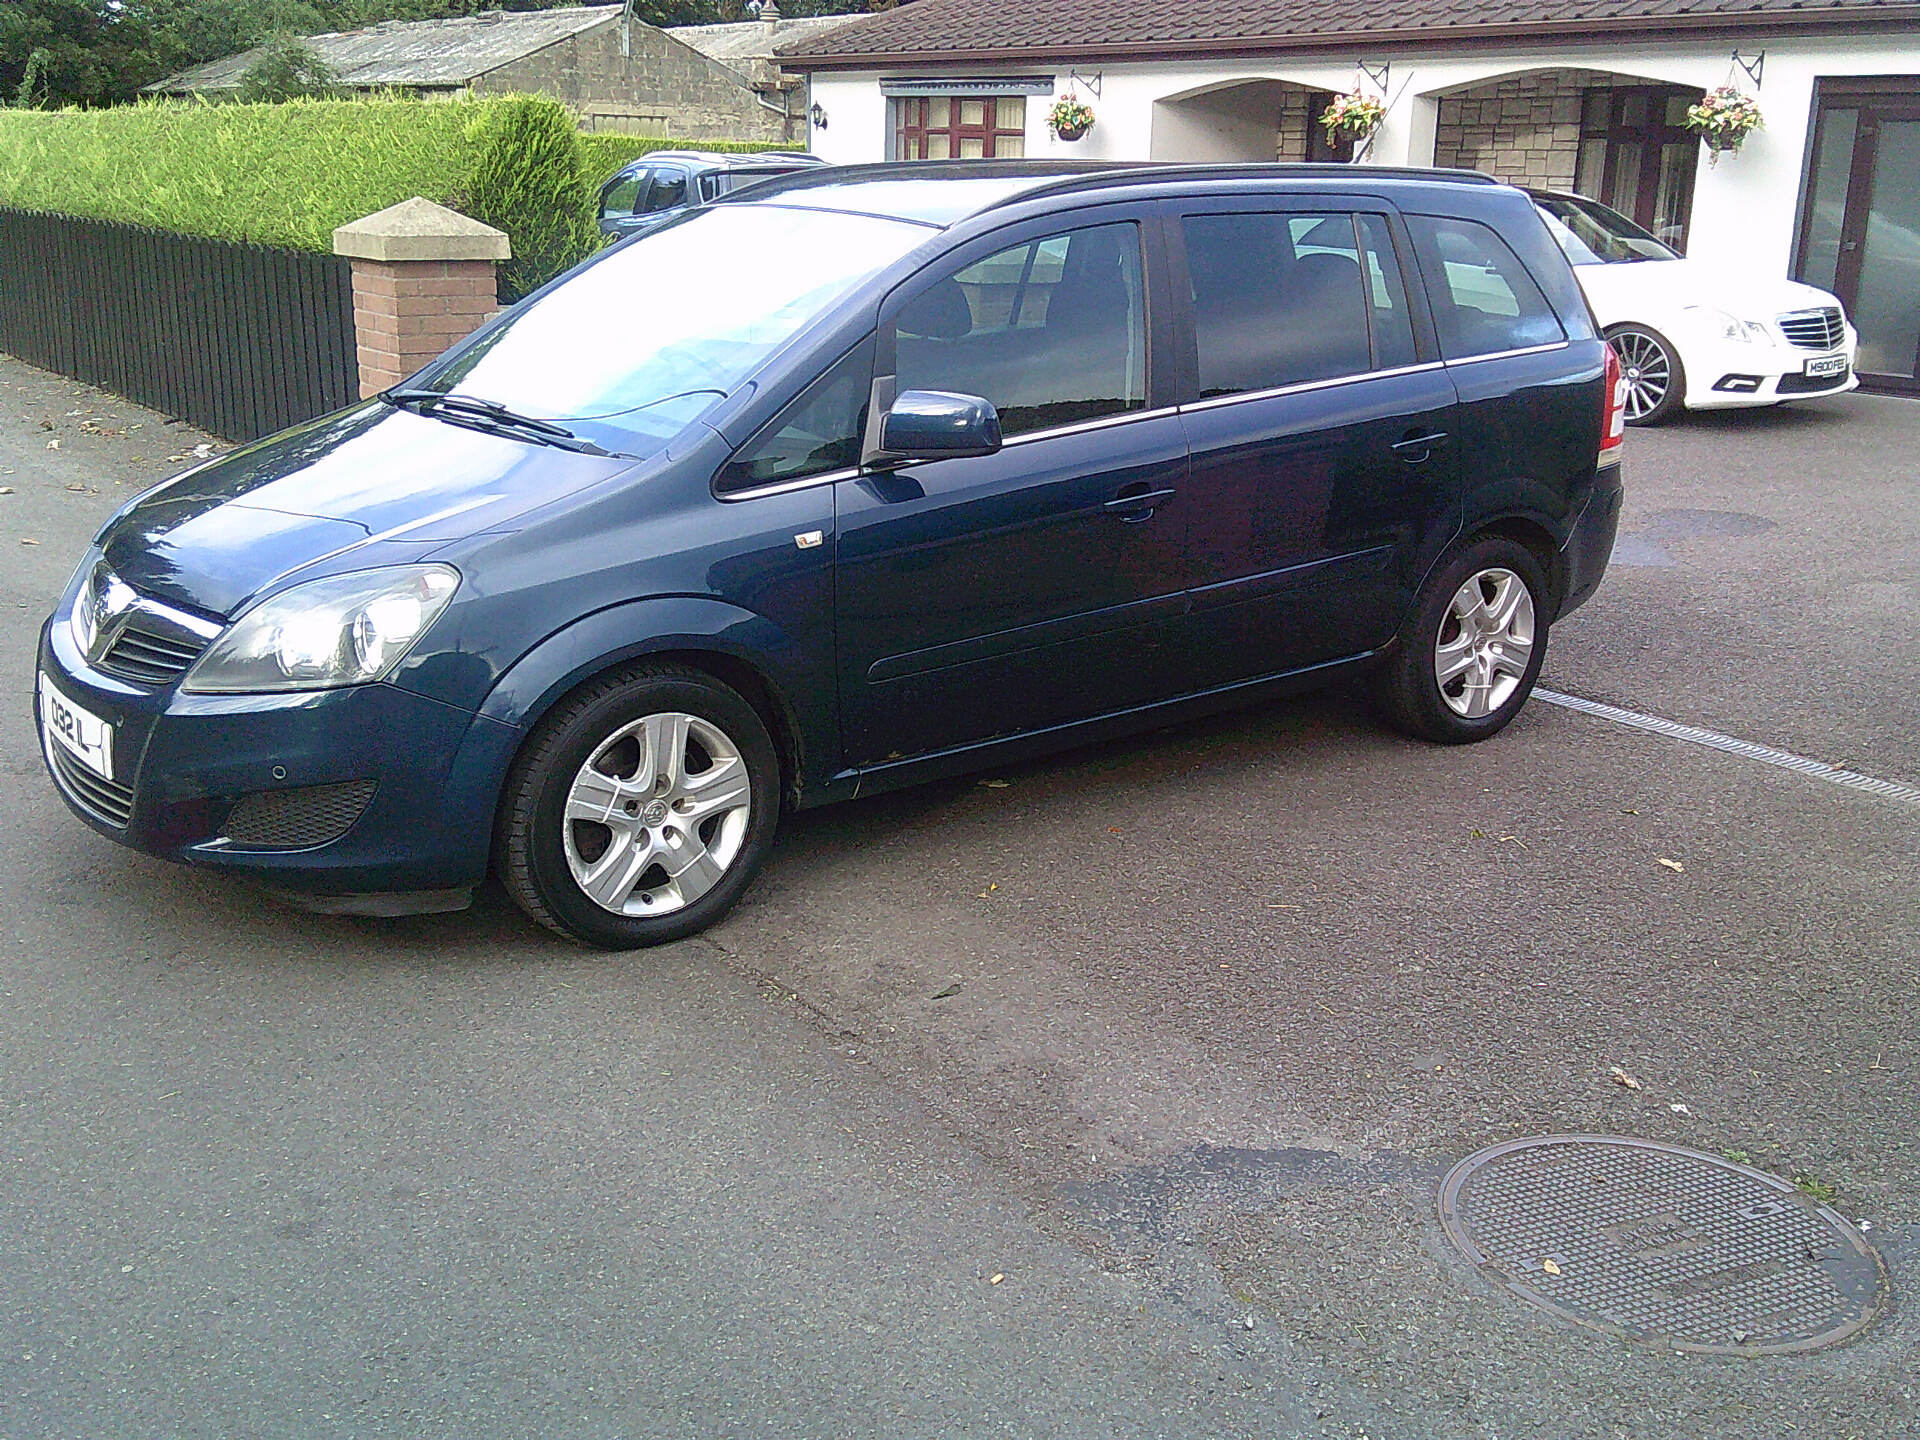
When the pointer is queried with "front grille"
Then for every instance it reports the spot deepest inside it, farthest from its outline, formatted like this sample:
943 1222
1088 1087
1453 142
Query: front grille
151 653
1814 329
297 819
104 800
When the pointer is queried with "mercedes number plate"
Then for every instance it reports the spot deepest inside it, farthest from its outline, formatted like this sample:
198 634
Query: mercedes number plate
1828 365
84 735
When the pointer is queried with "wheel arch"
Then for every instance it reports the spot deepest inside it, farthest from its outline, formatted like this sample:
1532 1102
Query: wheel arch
740 649
1681 374
1534 537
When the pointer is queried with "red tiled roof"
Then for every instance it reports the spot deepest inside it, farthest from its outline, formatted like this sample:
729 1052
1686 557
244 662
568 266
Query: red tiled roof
932 30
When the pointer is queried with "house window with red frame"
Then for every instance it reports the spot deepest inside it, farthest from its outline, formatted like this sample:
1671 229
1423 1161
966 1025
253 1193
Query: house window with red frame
960 127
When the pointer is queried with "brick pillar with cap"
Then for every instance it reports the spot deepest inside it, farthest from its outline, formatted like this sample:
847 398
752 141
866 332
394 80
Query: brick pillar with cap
422 279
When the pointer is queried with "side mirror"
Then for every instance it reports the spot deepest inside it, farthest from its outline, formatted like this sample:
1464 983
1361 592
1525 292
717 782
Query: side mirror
936 425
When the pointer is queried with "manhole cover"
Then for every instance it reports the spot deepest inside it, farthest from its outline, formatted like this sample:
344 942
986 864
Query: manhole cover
1662 1245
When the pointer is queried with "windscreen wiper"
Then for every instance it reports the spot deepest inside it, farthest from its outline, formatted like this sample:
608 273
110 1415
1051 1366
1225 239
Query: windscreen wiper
467 408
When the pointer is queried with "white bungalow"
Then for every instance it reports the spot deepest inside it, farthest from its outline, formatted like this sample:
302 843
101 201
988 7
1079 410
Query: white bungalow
1589 95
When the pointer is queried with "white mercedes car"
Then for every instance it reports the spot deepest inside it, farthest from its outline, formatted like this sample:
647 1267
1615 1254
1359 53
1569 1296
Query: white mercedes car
1688 336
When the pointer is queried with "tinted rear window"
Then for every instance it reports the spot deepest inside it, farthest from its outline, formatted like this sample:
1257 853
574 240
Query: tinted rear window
1484 301
669 190
1287 298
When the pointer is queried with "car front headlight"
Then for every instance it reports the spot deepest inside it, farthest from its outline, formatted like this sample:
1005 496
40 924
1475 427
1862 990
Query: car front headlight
344 630
1724 326
93 577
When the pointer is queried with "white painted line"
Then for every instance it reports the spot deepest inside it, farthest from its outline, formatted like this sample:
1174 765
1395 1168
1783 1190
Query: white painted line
1745 749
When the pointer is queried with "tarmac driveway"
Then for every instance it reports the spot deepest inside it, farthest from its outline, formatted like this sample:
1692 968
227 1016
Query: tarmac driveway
1173 1036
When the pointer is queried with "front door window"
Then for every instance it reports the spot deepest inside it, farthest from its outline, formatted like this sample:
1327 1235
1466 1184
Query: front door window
1051 331
957 127
1637 155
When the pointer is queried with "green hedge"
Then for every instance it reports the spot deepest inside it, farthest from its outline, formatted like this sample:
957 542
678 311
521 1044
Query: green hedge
288 174
528 180
275 174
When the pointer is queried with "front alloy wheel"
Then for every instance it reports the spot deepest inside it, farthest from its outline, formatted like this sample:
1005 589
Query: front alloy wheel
1655 381
657 815
641 808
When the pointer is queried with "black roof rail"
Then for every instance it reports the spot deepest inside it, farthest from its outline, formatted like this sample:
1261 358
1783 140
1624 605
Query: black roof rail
1153 171
1058 177
1054 177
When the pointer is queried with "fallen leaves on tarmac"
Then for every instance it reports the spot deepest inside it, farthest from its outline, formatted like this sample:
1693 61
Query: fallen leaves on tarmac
1623 1079
1674 865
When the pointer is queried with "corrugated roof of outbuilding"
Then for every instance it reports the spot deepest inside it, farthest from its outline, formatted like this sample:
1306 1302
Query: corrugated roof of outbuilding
430 53
738 43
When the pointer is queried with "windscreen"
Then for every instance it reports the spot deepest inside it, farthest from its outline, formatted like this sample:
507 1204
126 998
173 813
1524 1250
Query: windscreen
1593 234
631 349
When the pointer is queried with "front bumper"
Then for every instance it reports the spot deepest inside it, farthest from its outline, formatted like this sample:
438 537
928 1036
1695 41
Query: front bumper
182 763
1726 375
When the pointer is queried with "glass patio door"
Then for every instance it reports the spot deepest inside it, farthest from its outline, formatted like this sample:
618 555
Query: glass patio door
1860 227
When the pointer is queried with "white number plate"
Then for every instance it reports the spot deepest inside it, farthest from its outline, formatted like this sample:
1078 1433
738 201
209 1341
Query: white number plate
1828 365
85 735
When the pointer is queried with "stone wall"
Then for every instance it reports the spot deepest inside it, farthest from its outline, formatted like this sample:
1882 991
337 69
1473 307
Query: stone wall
663 87
1295 123
1524 129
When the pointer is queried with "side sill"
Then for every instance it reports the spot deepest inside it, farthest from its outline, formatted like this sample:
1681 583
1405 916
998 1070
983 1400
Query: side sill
895 774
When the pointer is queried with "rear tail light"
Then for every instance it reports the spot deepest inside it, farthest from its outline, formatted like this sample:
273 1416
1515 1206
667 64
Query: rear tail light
1613 411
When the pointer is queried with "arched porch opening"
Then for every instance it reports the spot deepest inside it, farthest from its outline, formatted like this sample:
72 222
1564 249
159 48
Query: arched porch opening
1617 138
1243 120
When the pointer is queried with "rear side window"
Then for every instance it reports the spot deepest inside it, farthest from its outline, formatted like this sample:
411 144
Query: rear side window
1484 301
669 190
621 194
820 430
1052 331
1286 299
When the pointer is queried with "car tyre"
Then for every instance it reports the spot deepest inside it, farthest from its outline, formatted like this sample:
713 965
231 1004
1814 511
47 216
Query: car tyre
641 808
1656 380
1468 659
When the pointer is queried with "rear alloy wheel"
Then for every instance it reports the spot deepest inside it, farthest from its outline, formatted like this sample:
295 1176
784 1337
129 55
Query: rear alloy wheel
1467 662
1655 380
641 810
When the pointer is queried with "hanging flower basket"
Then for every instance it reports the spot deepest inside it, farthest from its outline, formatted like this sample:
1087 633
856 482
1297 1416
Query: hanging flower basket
1070 118
1353 116
1724 119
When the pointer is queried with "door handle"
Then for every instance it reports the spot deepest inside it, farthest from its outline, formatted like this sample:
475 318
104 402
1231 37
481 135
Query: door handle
1415 449
1137 502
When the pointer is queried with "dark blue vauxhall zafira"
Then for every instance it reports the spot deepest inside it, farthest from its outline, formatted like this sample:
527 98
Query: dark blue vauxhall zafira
847 481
